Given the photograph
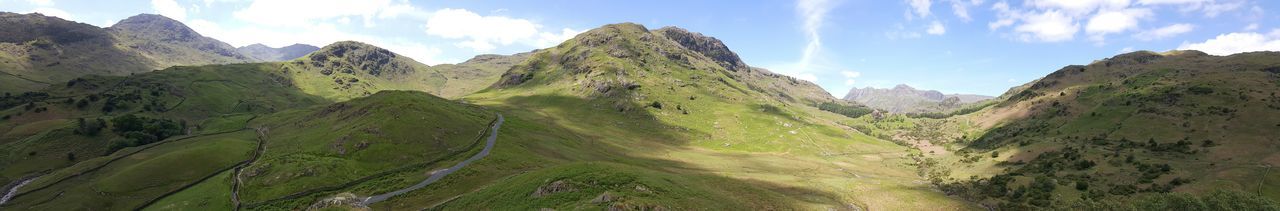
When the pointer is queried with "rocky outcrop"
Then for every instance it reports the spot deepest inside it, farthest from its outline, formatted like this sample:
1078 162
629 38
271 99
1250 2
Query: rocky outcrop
708 46
350 57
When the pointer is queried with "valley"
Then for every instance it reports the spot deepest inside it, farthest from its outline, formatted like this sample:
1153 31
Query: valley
148 114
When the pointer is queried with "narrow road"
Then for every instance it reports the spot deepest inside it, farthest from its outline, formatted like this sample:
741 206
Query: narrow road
493 136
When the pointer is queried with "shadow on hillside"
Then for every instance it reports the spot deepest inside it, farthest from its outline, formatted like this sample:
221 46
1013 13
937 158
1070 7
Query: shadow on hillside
638 138
186 94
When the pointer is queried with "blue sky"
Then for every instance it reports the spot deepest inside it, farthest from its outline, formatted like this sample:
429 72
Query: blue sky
956 46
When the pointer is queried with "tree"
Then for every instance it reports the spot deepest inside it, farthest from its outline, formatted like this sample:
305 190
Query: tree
71 156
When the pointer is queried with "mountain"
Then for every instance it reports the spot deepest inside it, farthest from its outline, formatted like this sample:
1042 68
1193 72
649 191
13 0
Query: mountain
1136 124
667 104
37 51
262 52
348 69
170 43
476 73
906 99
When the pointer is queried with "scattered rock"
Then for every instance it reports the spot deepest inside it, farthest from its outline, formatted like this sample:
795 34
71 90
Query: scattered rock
343 201
643 189
603 198
554 187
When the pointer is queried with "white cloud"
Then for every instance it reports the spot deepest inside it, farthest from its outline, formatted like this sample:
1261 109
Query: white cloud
548 39
1164 32
1227 44
55 12
1210 8
306 12
317 35
1149 2
485 33
1126 50
1114 21
1251 27
169 8
1078 7
849 82
961 8
481 32
1049 26
936 28
920 7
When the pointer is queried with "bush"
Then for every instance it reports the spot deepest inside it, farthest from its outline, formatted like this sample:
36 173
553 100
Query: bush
846 110
142 130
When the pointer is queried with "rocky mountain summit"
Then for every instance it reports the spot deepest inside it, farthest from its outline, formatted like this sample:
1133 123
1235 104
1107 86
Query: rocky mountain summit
906 99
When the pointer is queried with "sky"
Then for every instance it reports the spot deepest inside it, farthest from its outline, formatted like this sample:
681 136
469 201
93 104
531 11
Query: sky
955 46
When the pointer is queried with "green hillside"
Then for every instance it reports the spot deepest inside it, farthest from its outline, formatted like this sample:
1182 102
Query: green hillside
37 51
476 73
84 120
660 108
1140 123
619 117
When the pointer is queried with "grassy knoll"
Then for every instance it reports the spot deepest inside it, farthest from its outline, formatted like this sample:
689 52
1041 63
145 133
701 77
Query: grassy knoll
129 182
1134 124
623 122
328 146
43 132
211 194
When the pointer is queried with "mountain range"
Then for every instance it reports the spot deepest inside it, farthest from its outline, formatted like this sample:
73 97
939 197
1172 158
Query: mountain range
906 99
150 115
265 53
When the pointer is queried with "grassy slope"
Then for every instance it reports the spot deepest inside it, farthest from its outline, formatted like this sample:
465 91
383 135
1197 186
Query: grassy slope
225 95
751 149
332 145
475 74
1139 98
211 194
128 183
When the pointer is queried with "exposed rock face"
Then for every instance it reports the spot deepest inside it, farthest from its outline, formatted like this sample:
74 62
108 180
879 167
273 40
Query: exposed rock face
707 46
906 99
349 56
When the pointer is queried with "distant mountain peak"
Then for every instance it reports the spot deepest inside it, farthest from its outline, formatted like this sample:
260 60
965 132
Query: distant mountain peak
158 26
267 53
903 98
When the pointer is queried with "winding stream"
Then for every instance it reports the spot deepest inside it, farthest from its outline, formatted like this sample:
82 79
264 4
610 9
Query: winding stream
14 190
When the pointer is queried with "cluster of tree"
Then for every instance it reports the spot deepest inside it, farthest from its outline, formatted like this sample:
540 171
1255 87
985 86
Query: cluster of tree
1216 200
119 102
138 130
9 100
846 110
961 111
87 128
